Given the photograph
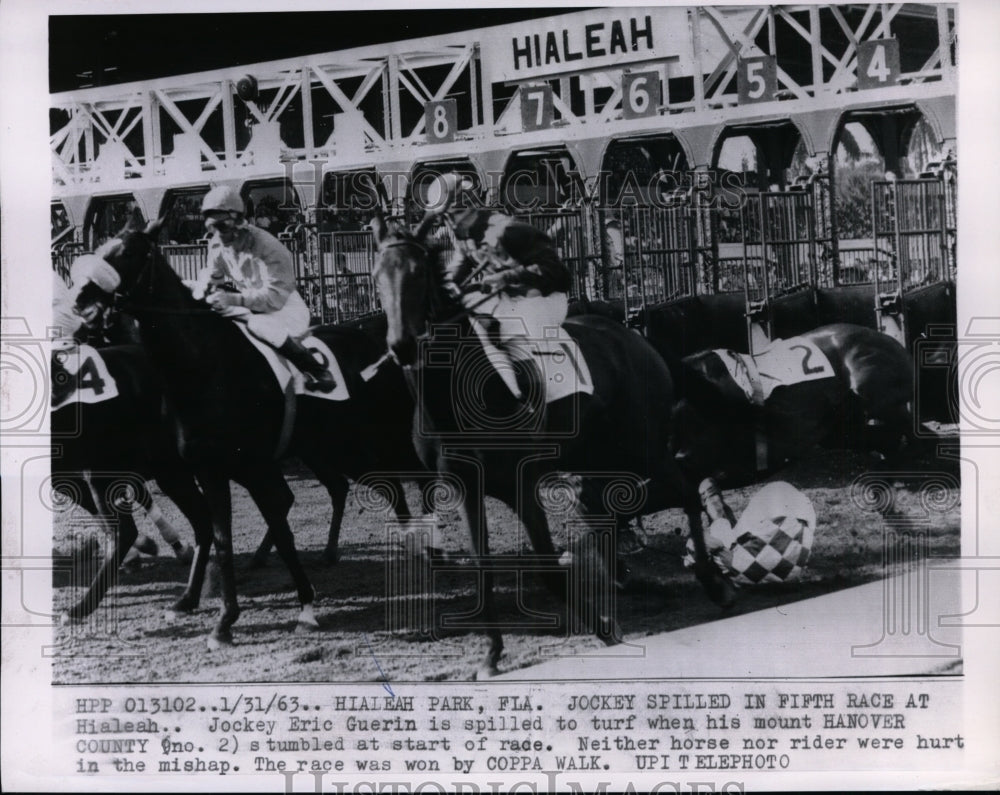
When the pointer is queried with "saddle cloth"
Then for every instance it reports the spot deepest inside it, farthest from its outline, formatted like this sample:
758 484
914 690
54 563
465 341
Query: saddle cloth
90 381
783 363
286 373
557 357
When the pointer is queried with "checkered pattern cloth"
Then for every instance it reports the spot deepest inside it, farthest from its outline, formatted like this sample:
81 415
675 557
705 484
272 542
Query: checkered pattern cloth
774 538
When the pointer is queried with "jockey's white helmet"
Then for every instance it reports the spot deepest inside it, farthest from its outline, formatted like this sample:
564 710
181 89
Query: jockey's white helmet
91 268
222 198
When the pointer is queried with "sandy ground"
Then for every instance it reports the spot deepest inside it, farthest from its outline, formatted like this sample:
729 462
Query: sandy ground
371 607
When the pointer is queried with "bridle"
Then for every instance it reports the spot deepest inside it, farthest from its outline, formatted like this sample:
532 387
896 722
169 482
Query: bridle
148 270
432 289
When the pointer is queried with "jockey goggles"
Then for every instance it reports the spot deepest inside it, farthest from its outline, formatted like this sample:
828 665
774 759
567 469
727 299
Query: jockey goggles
223 222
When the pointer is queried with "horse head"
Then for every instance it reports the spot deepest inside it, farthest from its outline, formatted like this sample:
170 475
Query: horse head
130 253
403 276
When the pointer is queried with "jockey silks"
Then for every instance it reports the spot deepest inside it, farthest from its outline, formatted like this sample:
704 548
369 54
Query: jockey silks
526 246
261 268
258 264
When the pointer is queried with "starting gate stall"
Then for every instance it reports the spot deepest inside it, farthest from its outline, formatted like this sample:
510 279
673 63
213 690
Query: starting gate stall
656 254
567 228
187 259
181 213
107 215
779 255
343 285
63 255
911 220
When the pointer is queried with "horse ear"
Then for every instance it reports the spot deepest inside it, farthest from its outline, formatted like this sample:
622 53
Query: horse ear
152 229
377 225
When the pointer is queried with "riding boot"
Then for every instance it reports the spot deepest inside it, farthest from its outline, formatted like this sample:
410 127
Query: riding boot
319 378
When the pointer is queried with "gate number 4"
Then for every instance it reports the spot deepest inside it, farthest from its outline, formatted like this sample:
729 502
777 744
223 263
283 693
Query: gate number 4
878 63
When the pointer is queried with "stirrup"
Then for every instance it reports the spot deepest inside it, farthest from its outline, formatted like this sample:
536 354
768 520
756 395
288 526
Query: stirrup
320 383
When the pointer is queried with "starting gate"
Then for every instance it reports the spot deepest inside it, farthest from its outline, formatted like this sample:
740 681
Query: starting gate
567 228
651 254
333 272
779 254
912 219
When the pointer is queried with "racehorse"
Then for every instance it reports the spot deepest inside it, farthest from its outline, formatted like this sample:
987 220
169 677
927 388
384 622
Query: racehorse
355 350
112 448
840 385
228 412
473 428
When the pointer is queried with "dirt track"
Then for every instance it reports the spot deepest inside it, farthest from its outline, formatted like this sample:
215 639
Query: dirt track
129 640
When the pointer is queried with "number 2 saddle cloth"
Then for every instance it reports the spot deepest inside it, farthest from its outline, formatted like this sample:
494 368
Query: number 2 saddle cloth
783 363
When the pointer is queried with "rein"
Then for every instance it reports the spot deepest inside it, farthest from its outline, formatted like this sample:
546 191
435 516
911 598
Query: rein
131 305
465 311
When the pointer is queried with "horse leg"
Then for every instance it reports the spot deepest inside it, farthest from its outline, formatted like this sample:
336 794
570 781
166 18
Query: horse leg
181 488
259 559
217 493
167 531
474 508
125 535
274 498
717 585
337 487
593 568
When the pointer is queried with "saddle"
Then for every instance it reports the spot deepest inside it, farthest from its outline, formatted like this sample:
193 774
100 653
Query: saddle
556 359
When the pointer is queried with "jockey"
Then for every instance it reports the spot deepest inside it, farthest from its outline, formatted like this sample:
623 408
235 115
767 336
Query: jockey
88 323
260 267
525 285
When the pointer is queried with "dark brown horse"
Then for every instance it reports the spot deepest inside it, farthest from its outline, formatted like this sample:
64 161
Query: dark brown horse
471 425
227 414
840 386
111 448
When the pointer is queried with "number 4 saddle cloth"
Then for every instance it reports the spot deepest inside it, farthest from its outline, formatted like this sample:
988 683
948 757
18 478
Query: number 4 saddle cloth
79 375
783 363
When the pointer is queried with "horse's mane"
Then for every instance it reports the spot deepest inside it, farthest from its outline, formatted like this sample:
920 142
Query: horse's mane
704 395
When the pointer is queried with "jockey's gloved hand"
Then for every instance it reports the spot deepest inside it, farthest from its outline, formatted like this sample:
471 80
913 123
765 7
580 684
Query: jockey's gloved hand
220 301
500 280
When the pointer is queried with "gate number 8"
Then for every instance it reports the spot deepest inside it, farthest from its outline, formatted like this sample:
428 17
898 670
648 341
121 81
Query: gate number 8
440 120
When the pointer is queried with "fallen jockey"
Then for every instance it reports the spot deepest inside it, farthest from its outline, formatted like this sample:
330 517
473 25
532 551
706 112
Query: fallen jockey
260 268
509 275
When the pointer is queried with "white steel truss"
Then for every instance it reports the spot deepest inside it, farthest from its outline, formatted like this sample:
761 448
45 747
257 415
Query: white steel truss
364 106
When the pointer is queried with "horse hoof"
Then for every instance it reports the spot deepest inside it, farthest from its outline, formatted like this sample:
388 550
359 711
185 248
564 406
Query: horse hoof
725 595
304 627
220 640
330 558
183 606
485 672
